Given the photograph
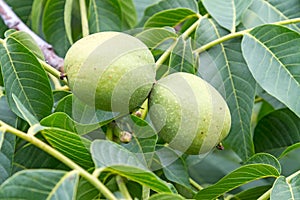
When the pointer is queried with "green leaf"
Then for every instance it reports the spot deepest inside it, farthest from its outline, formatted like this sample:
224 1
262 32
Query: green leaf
22 9
63 121
7 148
21 184
143 141
25 77
163 196
86 191
71 145
6 115
106 153
81 112
141 5
277 131
289 149
223 67
173 166
25 114
141 176
68 19
252 193
54 27
227 13
266 12
171 17
182 58
152 37
286 189
264 158
238 177
167 5
113 15
31 157
37 15
272 55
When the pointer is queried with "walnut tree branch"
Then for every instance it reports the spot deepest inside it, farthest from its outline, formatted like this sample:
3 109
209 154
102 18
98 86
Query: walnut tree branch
12 21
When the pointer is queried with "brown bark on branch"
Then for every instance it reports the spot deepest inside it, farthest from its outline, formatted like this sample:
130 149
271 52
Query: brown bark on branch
12 21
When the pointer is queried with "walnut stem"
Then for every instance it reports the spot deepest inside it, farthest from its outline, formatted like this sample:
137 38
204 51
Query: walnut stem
12 21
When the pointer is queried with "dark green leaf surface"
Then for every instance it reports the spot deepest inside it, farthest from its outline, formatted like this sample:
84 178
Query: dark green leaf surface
111 15
264 158
223 66
153 37
22 9
284 189
265 12
6 115
166 5
277 131
54 27
141 5
7 148
106 153
166 197
289 149
252 193
272 55
227 13
143 141
31 184
24 76
238 177
182 58
141 176
71 145
37 15
171 17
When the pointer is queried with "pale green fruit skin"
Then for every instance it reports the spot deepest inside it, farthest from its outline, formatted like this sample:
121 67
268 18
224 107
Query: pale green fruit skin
189 113
111 71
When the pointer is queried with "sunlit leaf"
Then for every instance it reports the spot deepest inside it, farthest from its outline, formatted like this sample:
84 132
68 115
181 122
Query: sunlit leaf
25 77
286 189
277 131
68 19
264 158
227 13
223 66
238 177
265 12
162 196
273 59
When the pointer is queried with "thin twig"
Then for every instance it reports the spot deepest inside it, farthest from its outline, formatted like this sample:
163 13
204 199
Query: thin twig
12 21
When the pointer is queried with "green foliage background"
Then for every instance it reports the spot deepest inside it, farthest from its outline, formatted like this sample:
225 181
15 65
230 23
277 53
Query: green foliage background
248 50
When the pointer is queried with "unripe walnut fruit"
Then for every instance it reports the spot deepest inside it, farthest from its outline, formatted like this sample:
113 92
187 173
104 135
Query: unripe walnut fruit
189 113
111 71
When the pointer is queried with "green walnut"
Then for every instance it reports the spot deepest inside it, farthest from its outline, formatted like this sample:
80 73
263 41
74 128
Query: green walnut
111 71
189 114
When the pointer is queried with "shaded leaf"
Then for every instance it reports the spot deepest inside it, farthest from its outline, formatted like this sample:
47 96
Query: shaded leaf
173 166
182 58
152 37
223 67
264 158
143 141
54 27
6 115
167 5
238 177
266 12
227 13
71 145
112 15
106 153
252 193
7 148
37 15
277 131
141 5
68 19
273 59
141 176
162 196
286 189
22 9
289 149
43 181
24 76
86 191
171 17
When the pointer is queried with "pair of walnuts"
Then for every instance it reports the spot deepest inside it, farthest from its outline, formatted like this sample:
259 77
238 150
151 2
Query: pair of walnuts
113 71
